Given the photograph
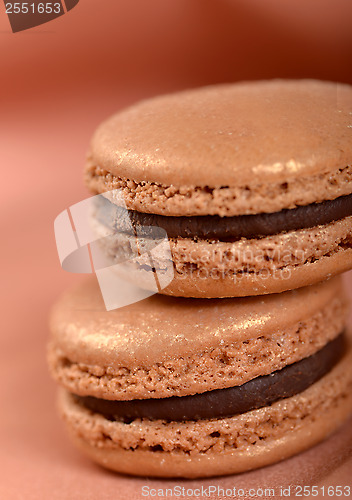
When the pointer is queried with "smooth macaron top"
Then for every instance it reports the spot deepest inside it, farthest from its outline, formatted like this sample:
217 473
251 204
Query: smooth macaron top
161 328
230 135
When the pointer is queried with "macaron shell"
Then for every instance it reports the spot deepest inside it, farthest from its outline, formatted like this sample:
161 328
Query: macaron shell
230 134
150 350
160 327
220 446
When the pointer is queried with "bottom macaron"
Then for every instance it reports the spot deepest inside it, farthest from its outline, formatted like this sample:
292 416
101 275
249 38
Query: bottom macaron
176 387
216 446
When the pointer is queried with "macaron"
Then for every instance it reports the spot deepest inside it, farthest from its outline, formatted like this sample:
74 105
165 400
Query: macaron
252 183
177 387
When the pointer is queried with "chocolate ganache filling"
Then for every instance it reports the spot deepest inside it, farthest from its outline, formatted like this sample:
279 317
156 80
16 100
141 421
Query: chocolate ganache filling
225 228
220 403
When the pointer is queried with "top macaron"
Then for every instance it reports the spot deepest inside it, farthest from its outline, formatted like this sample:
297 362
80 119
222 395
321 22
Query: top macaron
251 181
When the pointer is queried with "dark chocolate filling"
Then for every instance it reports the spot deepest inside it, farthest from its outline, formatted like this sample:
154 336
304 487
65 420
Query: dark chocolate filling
228 228
220 403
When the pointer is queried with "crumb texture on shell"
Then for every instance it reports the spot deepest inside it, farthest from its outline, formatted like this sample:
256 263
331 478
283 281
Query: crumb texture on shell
225 201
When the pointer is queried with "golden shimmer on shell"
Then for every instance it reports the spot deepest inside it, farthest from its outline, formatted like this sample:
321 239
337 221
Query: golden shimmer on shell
224 135
145 331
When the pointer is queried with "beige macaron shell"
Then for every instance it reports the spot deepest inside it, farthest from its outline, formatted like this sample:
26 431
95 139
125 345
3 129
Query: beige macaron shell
161 328
230 135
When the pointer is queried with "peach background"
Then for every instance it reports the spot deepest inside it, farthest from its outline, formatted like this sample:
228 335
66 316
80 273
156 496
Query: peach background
58 81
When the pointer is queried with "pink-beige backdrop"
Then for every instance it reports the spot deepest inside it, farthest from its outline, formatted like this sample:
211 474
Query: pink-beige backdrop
58 81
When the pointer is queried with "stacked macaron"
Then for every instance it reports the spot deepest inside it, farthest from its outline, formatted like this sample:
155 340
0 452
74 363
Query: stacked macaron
252 184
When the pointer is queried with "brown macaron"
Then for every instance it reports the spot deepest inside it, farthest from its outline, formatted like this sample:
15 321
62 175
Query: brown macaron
191 388
252 183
